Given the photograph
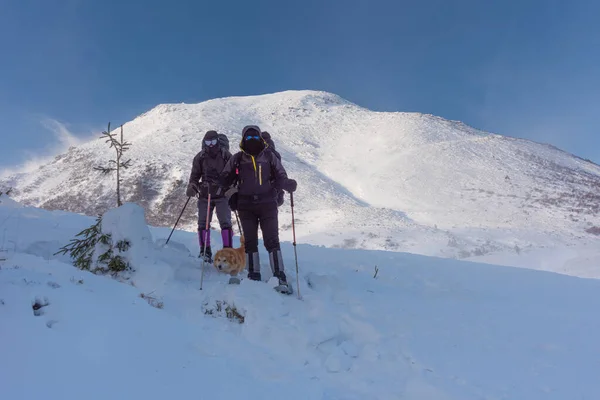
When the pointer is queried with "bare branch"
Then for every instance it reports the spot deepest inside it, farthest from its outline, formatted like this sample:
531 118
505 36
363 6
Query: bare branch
104 170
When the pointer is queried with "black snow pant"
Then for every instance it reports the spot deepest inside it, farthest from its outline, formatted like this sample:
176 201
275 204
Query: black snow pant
264 215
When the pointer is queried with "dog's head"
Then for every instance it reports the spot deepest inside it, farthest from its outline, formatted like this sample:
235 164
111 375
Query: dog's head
224 261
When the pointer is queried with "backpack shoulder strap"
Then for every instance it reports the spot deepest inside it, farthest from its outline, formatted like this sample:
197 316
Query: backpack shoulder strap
272 161
236 167
225 154
236 159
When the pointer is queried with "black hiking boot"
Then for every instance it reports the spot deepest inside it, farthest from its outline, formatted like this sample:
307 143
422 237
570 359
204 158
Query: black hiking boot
253 266
207 255
276 261
283 287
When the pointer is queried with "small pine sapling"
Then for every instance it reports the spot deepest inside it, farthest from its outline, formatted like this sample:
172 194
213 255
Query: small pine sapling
82 251
121 146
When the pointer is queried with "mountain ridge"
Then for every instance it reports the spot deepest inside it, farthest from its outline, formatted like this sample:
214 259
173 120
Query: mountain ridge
367 179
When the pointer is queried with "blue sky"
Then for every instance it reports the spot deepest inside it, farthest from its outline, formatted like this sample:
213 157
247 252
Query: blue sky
520 68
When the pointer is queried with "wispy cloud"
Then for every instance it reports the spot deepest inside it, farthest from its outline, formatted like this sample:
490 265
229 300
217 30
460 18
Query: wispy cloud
63 139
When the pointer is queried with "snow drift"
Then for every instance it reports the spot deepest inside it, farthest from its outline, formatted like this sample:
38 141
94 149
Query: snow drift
419 327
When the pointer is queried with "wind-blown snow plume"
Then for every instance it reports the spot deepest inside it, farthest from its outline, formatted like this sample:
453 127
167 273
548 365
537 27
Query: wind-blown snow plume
64 139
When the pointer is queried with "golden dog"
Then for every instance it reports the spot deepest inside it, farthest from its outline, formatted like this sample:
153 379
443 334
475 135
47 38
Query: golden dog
229 260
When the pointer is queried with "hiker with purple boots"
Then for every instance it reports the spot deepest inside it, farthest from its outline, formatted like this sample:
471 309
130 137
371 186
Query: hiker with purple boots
204 179
258 174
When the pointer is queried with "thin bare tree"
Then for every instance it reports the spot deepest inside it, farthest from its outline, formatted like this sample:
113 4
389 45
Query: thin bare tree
121 146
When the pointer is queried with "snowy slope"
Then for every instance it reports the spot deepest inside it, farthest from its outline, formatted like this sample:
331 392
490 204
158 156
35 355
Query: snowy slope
424 328
373 180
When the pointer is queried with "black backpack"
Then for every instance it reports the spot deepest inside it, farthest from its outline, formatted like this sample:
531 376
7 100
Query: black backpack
267 138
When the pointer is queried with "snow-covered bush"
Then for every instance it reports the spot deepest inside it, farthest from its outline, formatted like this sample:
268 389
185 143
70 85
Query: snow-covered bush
106 246
95 251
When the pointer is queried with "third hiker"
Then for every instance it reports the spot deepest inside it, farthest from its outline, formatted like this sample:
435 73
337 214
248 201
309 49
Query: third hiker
271 147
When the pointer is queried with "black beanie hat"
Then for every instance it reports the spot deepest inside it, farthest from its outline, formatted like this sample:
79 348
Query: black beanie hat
211 135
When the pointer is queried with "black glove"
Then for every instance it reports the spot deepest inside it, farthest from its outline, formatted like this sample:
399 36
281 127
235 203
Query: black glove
290 185
280 199
192 189
203 190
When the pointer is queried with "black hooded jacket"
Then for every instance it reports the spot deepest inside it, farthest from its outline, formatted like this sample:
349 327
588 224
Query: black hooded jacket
259 175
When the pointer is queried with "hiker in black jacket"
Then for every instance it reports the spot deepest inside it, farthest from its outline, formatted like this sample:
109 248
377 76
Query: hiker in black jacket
259 174
204 178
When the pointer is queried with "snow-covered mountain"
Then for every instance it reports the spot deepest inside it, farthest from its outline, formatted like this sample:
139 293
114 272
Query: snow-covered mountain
373 180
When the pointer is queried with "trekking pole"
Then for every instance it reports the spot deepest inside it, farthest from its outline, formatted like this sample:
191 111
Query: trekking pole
205 238
186 203
238 222
295 253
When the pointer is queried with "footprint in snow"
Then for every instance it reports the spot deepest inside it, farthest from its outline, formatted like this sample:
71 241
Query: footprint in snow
51 323
338 353
38 305
38 310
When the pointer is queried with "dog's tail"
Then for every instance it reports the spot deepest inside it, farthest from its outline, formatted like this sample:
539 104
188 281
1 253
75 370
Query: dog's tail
242 241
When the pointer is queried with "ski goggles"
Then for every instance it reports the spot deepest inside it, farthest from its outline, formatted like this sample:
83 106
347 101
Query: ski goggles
211 142
256 137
